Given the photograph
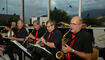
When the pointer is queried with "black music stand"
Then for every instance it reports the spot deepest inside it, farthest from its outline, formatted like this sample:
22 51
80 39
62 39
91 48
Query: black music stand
40 51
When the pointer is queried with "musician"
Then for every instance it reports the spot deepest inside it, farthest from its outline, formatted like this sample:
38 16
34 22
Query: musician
13 26
37 32
52 39
8 28
2 45
20 36
21 32
9 47
79 46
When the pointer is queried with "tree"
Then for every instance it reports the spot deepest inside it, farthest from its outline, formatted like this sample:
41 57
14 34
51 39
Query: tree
13 18
102 20
92 21
59 15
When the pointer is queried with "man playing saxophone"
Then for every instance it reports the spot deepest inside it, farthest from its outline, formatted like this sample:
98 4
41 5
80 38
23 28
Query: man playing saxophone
79 46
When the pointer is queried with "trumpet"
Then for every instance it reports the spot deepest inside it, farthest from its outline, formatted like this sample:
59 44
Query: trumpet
60 54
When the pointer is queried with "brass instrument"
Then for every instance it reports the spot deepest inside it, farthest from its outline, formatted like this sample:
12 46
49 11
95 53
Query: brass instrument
60 54
25 25
10 35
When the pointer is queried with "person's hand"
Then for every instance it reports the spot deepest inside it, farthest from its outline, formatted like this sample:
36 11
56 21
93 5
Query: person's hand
27 38
12 38
40 43
38 39
66 48
31 36
43 40
30 40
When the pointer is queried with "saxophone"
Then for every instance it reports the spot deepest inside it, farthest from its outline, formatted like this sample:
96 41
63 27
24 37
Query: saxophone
10 33
60 54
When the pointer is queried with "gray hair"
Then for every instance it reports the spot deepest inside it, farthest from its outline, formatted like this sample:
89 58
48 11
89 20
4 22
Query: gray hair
13 23
21 21
52 22
36 21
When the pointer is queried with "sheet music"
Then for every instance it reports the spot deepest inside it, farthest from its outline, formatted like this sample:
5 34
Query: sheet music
24 49
20 46
37 45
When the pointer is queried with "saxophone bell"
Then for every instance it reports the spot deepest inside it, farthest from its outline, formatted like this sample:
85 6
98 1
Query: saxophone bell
60 54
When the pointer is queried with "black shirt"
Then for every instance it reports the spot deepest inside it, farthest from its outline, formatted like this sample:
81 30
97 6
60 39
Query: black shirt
56 39
41 32
82 43
14 29
21 33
